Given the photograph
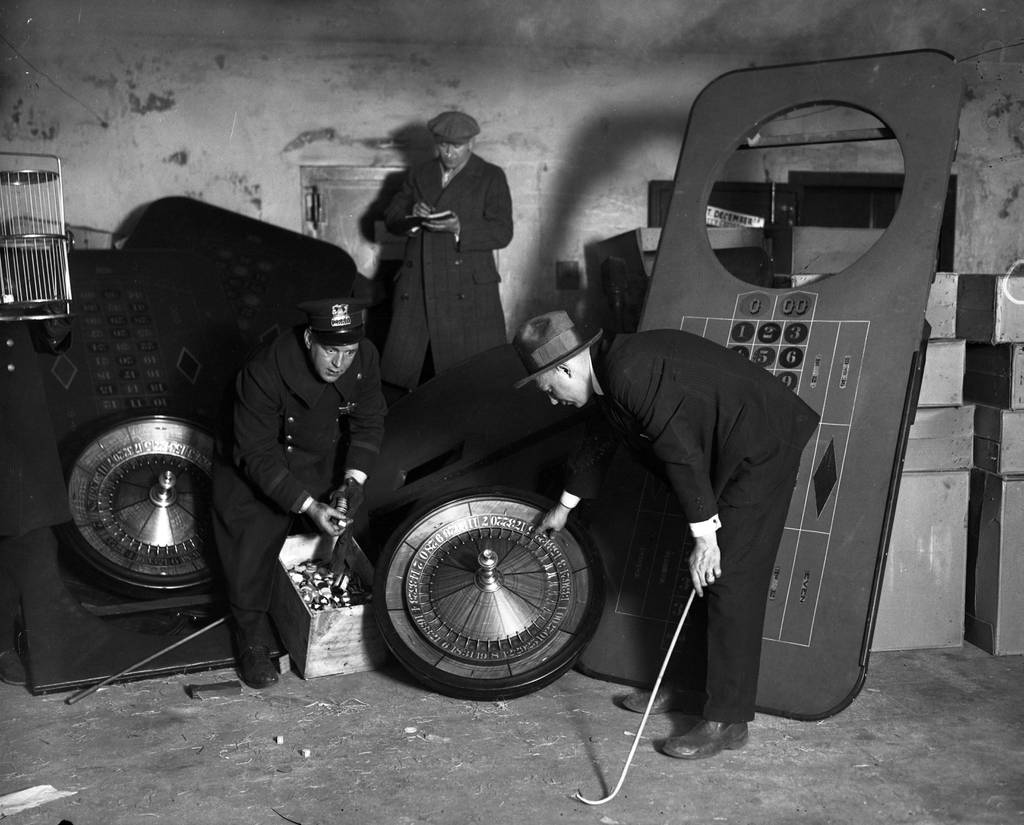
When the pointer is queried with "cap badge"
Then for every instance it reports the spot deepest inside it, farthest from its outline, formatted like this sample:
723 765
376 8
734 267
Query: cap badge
340 316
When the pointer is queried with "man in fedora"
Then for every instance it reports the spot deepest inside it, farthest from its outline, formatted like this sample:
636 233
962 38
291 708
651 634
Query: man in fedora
456 211
728 437
307 424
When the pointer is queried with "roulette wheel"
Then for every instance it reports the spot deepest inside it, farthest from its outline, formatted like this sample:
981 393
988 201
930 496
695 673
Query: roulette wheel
476 605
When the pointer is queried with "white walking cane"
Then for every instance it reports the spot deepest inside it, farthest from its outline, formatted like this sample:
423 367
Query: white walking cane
654 695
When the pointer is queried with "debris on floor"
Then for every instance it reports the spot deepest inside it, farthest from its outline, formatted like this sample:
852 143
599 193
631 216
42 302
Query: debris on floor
33 797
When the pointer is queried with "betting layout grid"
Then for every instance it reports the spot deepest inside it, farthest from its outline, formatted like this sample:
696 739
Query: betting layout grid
819 359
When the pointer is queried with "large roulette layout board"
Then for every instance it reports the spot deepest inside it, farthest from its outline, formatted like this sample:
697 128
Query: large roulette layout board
849 345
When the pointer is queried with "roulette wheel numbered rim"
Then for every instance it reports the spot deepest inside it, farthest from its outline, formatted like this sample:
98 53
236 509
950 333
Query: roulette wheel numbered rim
139 495
475 607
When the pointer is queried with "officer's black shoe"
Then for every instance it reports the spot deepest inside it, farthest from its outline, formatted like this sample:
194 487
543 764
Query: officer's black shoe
12 671
255 667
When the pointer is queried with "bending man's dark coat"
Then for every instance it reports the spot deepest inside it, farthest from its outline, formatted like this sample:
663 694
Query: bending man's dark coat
728 437
293 436
446 294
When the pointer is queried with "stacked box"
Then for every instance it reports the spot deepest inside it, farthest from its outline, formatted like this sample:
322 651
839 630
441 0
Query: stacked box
324 642
994 375
941 438
922 596
990 308
921 603
999 440
990 316
942 384
995 572
941 310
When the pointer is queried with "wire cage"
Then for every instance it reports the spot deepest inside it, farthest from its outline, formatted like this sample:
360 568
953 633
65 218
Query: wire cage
35 282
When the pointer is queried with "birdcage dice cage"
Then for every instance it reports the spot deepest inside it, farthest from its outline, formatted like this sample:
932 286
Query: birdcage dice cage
35 282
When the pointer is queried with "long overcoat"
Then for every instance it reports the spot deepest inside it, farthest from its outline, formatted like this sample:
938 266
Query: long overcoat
446 293
293 436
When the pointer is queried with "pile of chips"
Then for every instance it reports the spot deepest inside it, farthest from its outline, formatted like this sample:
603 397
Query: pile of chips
316 586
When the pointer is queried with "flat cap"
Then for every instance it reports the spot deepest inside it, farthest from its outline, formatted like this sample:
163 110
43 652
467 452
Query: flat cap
336 321
454 127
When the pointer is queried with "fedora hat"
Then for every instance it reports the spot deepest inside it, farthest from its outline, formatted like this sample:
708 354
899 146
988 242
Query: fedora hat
546 341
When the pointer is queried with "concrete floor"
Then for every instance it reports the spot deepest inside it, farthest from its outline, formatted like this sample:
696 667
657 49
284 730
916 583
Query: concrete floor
936 736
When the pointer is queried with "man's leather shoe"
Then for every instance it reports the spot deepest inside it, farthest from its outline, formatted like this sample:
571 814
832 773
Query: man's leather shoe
255 667
668 699
12 671
707 739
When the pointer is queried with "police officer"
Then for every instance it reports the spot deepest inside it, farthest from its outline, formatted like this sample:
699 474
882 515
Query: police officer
307 423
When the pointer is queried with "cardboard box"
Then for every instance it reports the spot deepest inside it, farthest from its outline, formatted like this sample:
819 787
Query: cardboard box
941 310
995 564
922 598
942 384
990 308
941 438
994 374
999 440
324 642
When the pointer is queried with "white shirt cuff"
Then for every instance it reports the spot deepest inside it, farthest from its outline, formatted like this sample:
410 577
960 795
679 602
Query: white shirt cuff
358 475
568 500
706 528
306 504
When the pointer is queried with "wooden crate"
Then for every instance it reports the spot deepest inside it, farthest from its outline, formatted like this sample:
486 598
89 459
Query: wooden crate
942 384
324 642
995 564
922 599
999 440
990 308
994 374
941 438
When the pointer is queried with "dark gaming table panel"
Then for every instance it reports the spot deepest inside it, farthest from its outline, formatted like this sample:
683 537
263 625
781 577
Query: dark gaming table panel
152 333
164 324
850 345
264 270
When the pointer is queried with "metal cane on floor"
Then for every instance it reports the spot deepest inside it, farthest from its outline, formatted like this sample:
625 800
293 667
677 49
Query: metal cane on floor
93 688
647 712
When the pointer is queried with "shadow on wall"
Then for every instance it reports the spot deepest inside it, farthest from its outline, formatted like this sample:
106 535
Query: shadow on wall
603 152
414 144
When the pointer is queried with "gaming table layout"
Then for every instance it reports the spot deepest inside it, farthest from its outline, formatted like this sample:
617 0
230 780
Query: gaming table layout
850 345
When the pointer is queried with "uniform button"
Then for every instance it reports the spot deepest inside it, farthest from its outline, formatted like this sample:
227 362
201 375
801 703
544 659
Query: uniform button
10 342
288 437
291 419
289 449
10 367
462 296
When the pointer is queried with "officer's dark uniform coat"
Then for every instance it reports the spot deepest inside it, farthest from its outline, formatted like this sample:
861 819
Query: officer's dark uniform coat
728 437
446 293
293 436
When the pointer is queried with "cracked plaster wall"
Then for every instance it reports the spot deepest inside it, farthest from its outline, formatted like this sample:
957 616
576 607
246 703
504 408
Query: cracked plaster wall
140 116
